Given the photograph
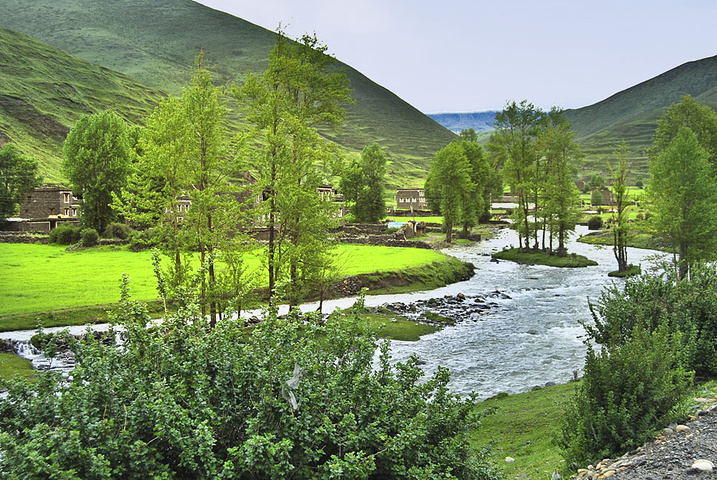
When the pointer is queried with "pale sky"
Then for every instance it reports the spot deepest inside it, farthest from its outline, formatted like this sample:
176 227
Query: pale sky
465 56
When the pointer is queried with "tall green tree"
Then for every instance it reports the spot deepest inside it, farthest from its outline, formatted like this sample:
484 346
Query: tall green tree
699 118
620 229
300 91
560 196
18 176
684 196
449 179
363 185
96 161
516 132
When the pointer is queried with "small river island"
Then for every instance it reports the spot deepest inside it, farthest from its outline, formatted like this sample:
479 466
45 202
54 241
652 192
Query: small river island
539 257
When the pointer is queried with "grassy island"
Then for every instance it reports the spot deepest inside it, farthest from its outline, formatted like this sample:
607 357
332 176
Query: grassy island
538 257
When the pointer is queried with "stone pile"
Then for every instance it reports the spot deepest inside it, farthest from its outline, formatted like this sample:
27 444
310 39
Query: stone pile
687 451
456 308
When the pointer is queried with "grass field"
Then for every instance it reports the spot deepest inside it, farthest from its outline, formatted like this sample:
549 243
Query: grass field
39 278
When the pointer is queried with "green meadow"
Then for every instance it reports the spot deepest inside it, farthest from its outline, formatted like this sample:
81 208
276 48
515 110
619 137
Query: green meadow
41 278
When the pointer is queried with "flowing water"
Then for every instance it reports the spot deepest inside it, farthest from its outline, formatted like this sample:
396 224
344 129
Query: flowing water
530 337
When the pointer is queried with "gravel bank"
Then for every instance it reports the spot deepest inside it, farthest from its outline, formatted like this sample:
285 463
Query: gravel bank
687 451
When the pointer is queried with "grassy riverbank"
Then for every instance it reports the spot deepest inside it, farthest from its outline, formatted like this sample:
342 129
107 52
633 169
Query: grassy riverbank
536 257
69 288
635 239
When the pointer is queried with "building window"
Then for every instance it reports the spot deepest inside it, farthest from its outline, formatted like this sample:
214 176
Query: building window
67 212
67 197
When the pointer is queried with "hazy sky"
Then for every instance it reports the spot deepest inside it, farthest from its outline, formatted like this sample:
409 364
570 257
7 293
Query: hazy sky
463 55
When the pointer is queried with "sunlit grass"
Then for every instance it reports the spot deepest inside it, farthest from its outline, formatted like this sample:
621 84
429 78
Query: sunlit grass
39 278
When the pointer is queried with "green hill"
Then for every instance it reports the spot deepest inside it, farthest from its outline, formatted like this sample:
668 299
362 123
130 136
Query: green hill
155 42
44 91
632 114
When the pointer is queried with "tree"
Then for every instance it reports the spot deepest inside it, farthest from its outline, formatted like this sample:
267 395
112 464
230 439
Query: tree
18 176
298 92
363 185
185 154
684 196
517 128
450 177
701 119
288 399
620 228
561 197
96 161
596 198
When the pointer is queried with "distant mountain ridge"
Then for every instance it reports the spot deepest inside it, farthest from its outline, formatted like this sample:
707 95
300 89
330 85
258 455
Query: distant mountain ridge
456 122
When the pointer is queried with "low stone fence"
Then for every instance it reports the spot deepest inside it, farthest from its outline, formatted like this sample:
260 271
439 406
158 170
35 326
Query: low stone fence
18 237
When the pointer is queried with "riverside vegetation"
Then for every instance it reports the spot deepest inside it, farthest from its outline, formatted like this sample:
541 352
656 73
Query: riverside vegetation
299 396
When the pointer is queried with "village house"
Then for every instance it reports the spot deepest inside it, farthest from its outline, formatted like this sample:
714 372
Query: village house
411 199
45 208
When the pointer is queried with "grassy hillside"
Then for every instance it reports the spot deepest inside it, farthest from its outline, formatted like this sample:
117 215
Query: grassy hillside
632 114
44 90
155 42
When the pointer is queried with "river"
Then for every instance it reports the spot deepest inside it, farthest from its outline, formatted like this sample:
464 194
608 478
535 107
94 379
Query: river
530 337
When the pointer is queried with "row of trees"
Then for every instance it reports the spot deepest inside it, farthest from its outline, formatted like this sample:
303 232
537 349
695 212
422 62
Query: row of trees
459 185
185 150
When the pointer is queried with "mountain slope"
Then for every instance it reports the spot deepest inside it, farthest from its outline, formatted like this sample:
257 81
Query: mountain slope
155 42
44 91
632 114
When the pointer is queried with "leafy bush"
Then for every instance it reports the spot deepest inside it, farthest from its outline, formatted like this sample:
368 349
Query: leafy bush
596 198
65 235
595 223
142 240
117 230
293 398
628 392
89 237
647 301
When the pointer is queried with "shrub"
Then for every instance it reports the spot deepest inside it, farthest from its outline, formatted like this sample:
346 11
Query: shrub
627 393
89 237
595 223
648 300
117 230
65 235
142 240
292 398
596 198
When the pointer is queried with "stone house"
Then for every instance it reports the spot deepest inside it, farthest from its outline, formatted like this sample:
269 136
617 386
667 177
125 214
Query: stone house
50 200
411 199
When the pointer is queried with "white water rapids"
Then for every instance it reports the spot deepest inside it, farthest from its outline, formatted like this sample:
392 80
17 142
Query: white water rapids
531 338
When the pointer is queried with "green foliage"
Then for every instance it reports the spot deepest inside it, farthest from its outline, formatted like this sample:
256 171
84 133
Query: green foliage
118 230
595 223
142 240
628 392
96 160
65 234
362 184
647 301
596 198
683 192
18 176
89 237
294 398
300 92
450 180
620 228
